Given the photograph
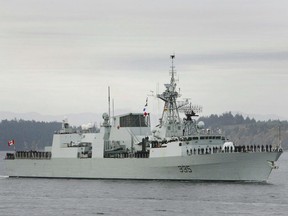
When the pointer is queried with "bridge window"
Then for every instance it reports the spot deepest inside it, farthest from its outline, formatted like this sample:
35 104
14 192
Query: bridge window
133 120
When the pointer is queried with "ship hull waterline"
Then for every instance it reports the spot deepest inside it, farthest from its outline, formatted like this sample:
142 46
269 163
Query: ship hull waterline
253 166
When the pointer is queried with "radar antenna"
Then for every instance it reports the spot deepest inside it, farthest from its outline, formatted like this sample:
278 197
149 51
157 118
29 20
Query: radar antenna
191 111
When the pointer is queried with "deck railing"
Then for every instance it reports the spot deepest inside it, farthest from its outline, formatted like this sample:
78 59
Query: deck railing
28 155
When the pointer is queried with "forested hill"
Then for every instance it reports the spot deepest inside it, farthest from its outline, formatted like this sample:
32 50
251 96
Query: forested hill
27 134
243 131
247 131
226 119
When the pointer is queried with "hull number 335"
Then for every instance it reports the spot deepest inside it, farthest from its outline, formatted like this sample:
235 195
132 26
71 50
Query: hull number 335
185 169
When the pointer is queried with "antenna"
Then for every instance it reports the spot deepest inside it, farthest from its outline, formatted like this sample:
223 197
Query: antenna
109 103
113 108
190 110
172 67
279 128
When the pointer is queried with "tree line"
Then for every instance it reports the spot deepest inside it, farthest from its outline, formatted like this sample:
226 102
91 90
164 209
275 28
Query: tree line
28 135
226 119
34 135
248 131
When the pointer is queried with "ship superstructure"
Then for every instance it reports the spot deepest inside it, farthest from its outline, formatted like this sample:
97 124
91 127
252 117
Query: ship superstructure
126 148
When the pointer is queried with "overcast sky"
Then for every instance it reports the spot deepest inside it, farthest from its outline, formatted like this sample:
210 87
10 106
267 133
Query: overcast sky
60 56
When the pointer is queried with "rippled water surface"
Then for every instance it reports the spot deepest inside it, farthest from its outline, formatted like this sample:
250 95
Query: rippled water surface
107 197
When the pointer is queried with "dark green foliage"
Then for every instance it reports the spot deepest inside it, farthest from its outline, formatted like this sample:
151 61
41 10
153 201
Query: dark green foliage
32 135
225 119
246 131
28 135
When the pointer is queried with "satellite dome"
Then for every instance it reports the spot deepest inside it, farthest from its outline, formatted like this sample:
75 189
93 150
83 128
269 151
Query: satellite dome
200 125
105 116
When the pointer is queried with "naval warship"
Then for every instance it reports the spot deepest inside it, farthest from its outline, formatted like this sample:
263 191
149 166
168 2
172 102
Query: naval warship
178 148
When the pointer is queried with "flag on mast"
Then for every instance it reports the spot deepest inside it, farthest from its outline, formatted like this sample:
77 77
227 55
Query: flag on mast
11 142
145 113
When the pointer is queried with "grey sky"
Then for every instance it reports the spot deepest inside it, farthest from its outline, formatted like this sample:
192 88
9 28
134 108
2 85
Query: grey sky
60 56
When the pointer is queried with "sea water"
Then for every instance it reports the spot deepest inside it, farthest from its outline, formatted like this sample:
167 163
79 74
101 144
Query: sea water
29 197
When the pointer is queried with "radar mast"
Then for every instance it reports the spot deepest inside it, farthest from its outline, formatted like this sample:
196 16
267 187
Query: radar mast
170 115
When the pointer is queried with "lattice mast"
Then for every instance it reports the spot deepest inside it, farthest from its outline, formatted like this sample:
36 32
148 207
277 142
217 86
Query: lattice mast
170 114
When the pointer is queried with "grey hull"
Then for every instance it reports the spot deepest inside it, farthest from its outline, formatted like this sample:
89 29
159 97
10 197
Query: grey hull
255 166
